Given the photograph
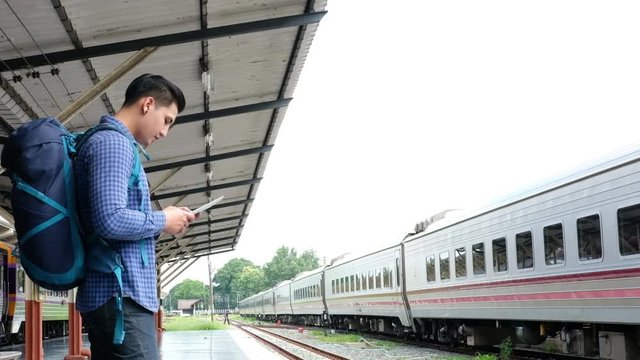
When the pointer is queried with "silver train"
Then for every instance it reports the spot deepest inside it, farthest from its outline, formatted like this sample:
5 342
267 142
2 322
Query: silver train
557 267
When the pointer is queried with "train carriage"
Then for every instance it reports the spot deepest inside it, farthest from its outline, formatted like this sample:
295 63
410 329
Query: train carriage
306 300
365 292
268 304
282 301
558 259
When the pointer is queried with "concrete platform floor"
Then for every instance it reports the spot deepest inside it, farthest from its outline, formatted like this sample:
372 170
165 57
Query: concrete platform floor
202 344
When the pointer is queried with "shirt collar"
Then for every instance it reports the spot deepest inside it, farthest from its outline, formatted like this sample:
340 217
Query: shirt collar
111 120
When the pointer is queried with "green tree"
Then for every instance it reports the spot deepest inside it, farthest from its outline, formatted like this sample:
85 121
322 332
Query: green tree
286 264
251 281
228 275
187 289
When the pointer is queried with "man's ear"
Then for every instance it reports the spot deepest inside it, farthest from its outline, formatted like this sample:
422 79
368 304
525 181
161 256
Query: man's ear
147 104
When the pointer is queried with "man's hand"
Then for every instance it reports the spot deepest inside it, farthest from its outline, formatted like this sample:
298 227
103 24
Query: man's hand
178 219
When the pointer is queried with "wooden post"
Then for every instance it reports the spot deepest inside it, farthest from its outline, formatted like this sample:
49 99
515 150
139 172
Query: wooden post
33 322
75 330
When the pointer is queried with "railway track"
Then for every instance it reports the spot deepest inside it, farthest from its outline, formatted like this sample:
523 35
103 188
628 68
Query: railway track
517 353
292 349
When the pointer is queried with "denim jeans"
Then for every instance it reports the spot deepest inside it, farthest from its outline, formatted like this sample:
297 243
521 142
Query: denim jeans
140 332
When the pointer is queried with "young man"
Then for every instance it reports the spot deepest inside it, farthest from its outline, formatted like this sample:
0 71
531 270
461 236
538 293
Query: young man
122 216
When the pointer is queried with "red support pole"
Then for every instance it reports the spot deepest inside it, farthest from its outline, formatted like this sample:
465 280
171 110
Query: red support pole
75 331
159 328
33 322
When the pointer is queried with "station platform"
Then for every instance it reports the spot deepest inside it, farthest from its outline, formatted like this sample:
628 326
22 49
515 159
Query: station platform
230 344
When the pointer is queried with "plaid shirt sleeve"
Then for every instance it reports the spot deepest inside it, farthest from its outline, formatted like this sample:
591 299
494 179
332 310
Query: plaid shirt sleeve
110 165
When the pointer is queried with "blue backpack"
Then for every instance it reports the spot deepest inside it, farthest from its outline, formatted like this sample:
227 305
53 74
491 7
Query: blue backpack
52 248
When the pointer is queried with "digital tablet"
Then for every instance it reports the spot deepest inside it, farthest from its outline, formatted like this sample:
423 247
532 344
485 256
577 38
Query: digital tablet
207 205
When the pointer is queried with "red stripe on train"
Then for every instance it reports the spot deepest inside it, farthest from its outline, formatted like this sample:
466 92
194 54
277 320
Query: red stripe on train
590 276
568 295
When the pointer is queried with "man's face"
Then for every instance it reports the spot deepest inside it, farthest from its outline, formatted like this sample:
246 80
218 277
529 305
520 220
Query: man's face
156 122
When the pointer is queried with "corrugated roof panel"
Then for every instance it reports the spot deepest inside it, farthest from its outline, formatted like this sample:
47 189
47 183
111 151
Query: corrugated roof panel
247 69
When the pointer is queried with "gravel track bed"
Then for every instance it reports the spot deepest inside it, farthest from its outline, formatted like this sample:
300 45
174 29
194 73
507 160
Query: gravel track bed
366 349
303 353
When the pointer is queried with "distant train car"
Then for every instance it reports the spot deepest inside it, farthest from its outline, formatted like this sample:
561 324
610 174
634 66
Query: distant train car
268 303
258 310
366 292
307 302
282 301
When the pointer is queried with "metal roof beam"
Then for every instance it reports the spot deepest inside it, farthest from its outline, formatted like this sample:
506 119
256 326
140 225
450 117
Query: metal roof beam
221 220
190 236
193 245
204 159
164 40
236 110
189 254
205 188
184 265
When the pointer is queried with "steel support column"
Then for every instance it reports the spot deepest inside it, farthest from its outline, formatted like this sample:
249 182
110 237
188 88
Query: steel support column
33 322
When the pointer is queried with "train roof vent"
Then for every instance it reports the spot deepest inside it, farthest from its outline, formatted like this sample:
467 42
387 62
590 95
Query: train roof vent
338 258
423 225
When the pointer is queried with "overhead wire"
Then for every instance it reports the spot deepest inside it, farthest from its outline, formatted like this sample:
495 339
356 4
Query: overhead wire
54 71
25 88
31 67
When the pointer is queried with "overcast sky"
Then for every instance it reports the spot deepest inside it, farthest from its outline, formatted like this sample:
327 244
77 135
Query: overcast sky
407 108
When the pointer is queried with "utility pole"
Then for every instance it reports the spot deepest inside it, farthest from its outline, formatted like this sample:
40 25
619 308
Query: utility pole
210 287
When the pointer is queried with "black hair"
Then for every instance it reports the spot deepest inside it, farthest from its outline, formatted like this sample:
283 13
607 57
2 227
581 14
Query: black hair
162 90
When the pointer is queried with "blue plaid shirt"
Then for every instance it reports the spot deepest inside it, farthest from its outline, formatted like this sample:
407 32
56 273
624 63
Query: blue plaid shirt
112 211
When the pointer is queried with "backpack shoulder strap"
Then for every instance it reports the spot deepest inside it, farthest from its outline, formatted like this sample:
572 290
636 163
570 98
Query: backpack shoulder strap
81 139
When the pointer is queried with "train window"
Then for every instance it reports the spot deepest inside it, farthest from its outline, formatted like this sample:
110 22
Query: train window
385 277
499 255
524 250
479 267
378 279
364 281
391 276
353 287
431 268
398 272
461 262
444 266
341 285
333 286
357 283
589 238
553 244
371 286
346 284
629 230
